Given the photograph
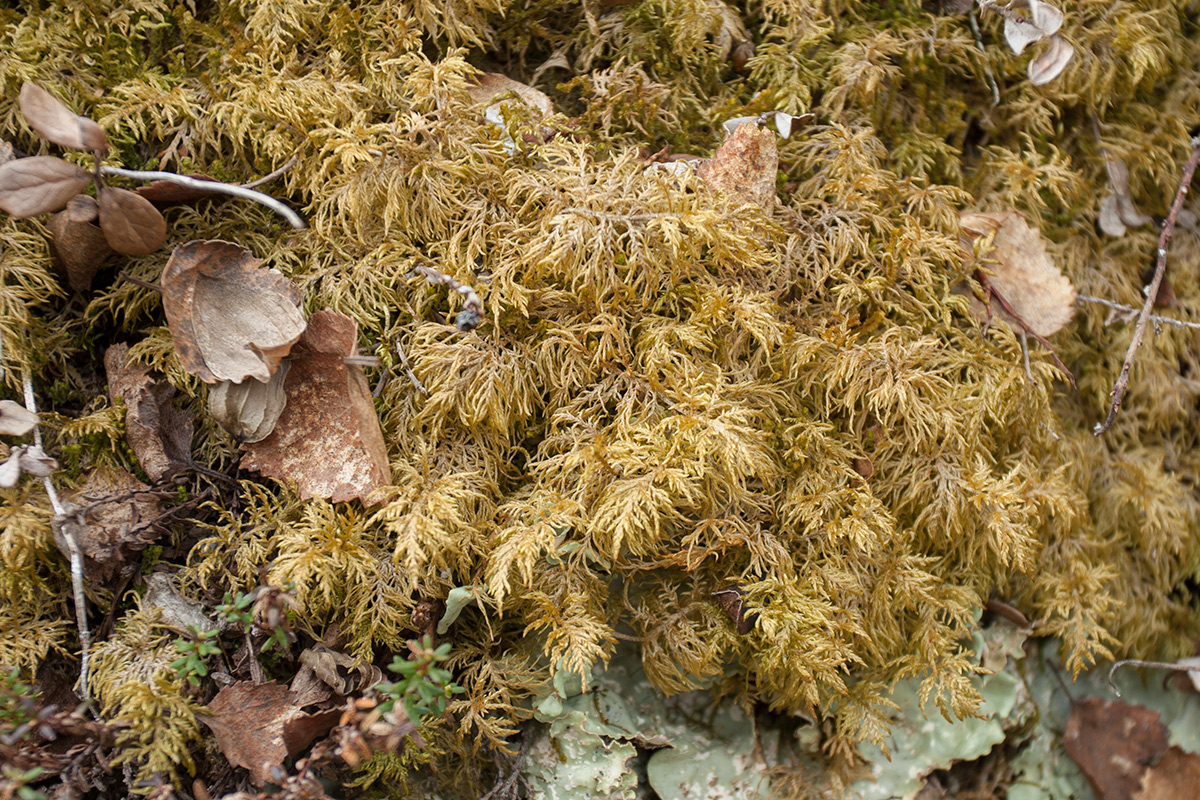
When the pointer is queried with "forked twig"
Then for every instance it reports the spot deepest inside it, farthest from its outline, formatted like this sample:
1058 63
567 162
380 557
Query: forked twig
1160 269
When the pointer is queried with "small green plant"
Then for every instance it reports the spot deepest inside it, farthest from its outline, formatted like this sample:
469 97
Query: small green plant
193 652
16 701
423 686
238 610
16 783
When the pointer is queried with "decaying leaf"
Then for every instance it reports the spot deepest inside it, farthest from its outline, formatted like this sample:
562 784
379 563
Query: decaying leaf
165 193
131 224
1021 270
490 84
1117 210
1113 743
175 611
56 123
15 419
1050 62
744 166
729 599
328 439
1044 20
230 319
250 409
159 434
257 726
79 246
113 519
1176 776
339 671
25 459
37 185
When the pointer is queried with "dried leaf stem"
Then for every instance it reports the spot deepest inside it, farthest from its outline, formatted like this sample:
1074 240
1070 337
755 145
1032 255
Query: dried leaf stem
1124 313
1025 329
1160 269
211 186
85 638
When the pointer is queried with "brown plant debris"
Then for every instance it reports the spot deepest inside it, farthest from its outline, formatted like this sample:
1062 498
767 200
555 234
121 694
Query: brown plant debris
113 520
15 419
77 243
744 166
249 410
1117 210
1021 270
56 123
40 184
1176 776
328 439
492 84
131 224
230 319
339 671
159 433
257 726
1113 743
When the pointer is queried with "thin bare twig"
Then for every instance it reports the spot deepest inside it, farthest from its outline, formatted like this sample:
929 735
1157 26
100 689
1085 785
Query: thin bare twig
1003 301
85 638
472 314
1124 313
1133 662
412 376
140 282
986 67
210 186
1160 269
270 176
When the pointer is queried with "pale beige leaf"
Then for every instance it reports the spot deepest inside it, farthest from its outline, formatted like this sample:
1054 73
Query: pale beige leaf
37 185
131 224
15 419
159 434
230 319
1109 220
250 409
1020 269
10 470
1051 62
490 84
1020 33
1046 18
35 461
51 118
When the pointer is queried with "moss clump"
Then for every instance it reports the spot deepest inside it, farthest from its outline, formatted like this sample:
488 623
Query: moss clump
672 390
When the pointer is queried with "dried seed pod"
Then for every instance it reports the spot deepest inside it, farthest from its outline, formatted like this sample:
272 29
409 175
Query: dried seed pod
250 409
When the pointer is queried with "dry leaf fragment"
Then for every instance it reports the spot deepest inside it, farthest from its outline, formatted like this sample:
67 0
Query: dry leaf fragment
1117 210
175 611
39 184
10 470
112 521
1113 743
1051 62
1176 776
56 123
78 246
15 419
258 725
159 434
730 600
490 84
230 320
328 439
744 167
34 461
1044 20
1021 270
339 671
131 224
249 410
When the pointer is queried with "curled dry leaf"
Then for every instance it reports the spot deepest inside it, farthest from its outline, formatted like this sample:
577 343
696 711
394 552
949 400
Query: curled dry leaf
1021 270
175 610
490 84
258 725
339 671
250 409
230 320
1113 742
159 434
1044 20
112 517
1117 210
15 419
56 123
10 470
729 599
328 439
131 224
744 166
37 185
78 246
28 459
1051 62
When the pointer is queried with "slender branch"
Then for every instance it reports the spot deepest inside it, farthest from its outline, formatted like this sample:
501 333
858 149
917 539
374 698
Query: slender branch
85 638
1125 313
1160 269
1003 301
472 314
987 68
210 186
270 176
1133 662
140 282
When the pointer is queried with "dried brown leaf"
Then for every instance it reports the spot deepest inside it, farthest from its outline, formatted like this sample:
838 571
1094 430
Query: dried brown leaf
249 410
490 84
258 725
1051 62
339 671
165 193
159 434
114 518
131 224
1117 210
15 419
56 123
1113 742
1176 776
328 439
229 319
78 247
744 167
730 600
175 611
37 185
1021 270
